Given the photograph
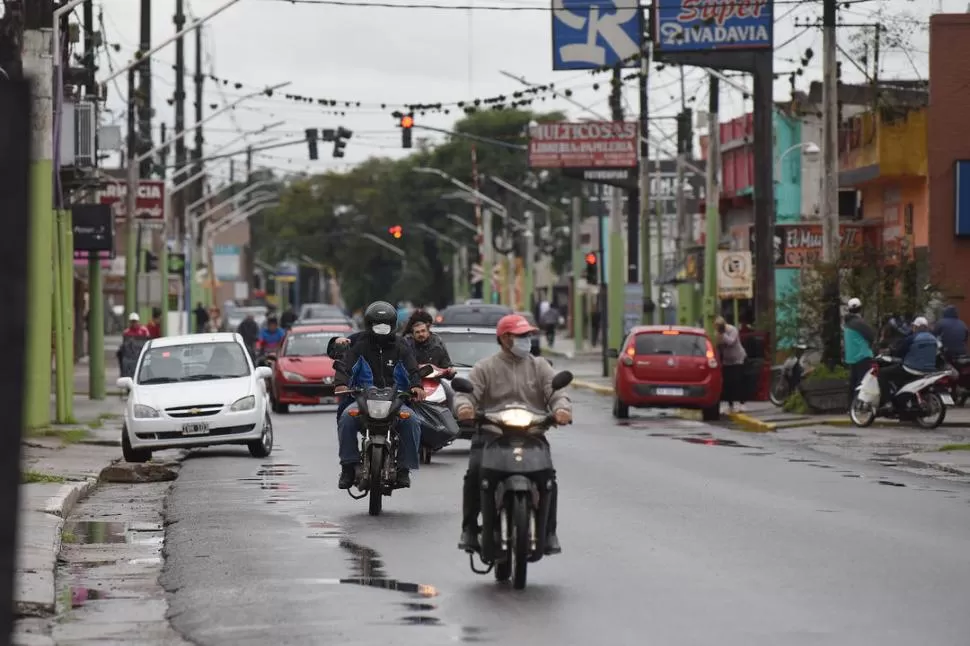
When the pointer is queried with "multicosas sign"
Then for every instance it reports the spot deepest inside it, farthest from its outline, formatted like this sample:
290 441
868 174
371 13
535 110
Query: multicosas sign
707 25
594 144
149 203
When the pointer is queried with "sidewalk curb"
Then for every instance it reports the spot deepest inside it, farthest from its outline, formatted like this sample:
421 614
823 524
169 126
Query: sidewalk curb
596 388
751 424
70 494
910 461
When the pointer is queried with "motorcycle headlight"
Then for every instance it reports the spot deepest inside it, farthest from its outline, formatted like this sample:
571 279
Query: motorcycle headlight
141 411
515 418
378 409
292 376
246 403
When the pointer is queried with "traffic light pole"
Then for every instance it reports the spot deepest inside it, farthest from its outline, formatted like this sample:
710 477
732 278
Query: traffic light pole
578 265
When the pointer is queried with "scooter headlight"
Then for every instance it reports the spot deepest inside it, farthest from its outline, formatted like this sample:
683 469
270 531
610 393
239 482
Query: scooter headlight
515 418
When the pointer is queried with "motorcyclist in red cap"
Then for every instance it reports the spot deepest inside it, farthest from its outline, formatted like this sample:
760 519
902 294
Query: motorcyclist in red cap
512 374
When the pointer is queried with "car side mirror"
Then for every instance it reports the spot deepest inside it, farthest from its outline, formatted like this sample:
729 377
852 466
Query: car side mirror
264 372
562 379
425 370
125 383
462 385
340 366
613 353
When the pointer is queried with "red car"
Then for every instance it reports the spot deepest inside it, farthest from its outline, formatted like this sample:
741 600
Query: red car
302 372
667 366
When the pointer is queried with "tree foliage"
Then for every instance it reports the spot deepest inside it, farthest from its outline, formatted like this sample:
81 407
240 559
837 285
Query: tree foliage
323 216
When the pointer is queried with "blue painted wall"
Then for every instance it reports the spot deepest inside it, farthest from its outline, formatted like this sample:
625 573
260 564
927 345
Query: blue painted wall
788 194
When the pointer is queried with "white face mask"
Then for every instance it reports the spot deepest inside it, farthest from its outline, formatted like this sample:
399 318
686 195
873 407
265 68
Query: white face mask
522 346
382 329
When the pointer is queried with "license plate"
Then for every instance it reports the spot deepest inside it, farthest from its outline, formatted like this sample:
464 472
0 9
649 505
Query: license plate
199 428
946 399
670 392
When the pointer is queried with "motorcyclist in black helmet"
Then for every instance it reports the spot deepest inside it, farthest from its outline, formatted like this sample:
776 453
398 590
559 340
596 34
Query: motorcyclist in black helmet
378 358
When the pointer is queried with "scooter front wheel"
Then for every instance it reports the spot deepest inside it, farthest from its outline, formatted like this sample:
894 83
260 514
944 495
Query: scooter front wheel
861 413
779 390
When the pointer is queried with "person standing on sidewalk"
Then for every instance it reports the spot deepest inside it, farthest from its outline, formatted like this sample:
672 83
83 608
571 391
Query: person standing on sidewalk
728 342
155 325
549 321
858 339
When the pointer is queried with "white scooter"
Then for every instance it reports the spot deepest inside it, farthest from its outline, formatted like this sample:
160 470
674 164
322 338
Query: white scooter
923 400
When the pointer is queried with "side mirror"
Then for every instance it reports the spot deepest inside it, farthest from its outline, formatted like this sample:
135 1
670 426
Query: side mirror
125 383
426 370
264 372
613 353
562 379
462 385
340 366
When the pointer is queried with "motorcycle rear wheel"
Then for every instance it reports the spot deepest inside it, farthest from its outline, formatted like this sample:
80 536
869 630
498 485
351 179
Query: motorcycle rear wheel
520 541
938 408
376 494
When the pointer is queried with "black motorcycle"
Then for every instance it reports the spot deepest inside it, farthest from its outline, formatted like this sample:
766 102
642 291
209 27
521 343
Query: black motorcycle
516 462
380 409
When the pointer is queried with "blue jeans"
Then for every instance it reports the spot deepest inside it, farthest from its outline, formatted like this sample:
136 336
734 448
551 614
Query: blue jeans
345 401
408 430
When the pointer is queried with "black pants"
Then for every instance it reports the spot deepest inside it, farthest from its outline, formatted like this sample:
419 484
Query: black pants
472 492
857 371
735 384
551 334
892 378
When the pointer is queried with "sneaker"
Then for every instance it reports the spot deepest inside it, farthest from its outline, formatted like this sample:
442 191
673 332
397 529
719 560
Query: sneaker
403 479
348 474
469 540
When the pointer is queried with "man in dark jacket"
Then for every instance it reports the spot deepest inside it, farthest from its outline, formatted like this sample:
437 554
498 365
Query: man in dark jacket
952 333
381 359
427 346
249 330
288 318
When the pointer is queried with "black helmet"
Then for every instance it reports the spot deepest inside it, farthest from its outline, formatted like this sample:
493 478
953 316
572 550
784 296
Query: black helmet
378 313
272 319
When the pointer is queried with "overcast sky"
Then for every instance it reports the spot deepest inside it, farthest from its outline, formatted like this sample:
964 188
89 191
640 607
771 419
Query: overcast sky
393 56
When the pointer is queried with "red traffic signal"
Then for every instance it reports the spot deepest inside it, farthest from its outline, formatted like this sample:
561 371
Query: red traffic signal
395 231
591 258
407 121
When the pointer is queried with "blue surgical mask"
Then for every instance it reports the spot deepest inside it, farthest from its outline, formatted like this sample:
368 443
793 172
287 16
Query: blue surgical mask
522 346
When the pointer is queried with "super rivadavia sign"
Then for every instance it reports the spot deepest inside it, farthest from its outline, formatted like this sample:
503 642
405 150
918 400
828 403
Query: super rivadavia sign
709 25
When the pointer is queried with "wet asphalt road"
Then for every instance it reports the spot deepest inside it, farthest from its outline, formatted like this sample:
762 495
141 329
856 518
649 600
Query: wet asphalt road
665 541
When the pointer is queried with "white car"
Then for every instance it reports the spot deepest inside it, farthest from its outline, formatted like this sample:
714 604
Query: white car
193 391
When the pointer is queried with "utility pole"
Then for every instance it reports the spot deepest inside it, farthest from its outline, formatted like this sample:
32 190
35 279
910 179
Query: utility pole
830 182
644 195
199 80
178 204
616 285
89 49
577 217
96 385
131 236
145 89
713 198
249 165
39 68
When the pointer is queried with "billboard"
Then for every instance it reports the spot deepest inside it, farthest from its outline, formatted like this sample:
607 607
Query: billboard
800 245
588 34
226 261
149 203
585 145
707 25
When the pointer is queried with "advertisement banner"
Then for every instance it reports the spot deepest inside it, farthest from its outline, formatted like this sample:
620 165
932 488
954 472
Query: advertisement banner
149 203
589 34
800 245
586 145
711 25
226 262
735 279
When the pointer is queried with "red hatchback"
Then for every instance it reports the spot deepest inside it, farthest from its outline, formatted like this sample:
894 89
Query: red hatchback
663 366
302 372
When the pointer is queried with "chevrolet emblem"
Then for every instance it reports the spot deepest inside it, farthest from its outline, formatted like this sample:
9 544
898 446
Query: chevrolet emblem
195 411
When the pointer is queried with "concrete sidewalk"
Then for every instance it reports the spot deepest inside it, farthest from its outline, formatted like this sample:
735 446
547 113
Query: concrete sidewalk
564 347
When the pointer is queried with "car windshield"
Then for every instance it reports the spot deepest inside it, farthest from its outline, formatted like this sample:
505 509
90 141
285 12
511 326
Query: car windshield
677 344
467 349
473 316
193 362
308 344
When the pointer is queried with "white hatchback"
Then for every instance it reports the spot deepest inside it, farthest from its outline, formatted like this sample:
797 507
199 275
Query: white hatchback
193 391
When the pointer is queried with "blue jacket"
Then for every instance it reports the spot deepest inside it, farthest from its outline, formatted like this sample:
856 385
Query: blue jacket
271 339
859 337
952 332
918 351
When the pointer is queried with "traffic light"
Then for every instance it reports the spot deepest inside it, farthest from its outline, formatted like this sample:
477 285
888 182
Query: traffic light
340 141
396 231
311 142
407 123
592 269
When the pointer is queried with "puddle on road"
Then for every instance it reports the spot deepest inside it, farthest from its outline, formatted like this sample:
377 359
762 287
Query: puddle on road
890 483
99 532
713 441
820 466
421 620
369 570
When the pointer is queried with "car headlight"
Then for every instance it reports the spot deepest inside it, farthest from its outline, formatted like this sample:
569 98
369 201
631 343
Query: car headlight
246 403
141 411
292 376
515 418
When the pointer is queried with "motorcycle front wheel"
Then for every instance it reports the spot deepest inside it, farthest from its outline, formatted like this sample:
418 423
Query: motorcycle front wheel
936 409
779 390
376 493
861 413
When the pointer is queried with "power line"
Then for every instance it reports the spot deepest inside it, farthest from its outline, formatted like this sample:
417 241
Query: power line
471 7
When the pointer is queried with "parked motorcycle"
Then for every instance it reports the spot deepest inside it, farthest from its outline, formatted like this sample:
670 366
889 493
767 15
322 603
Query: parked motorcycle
379 408
923 400
515 486
795 368
438 425
960 388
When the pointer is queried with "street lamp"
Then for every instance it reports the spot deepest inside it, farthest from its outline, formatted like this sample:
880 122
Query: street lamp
811 151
